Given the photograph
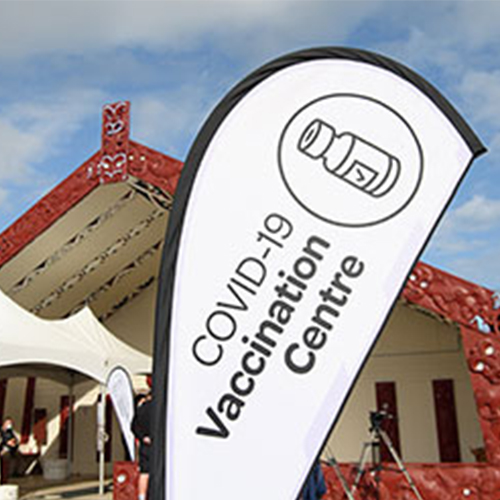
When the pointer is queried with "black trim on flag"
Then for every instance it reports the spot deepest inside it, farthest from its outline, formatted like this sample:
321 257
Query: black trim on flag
189 172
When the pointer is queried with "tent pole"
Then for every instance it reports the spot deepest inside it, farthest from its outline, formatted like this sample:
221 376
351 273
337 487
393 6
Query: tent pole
101 426
70 426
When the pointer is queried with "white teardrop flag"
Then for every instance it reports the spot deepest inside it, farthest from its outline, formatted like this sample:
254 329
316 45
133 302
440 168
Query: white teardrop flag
305 201
120 389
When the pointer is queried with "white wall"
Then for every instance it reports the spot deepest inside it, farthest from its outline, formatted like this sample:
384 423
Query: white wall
14 401
414 350
135 322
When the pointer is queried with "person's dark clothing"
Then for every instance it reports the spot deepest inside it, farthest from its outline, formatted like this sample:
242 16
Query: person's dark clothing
141 427
9 445
8 436
315 486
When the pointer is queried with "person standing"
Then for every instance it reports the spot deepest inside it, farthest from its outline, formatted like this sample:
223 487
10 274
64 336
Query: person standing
141 427
9 444
315 486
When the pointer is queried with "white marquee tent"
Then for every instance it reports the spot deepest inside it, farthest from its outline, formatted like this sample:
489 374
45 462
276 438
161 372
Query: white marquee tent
80 343
69 350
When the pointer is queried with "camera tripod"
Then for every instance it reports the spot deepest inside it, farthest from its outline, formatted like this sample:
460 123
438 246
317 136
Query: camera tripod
377 437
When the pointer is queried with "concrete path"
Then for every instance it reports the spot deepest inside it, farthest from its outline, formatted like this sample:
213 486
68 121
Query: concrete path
36 488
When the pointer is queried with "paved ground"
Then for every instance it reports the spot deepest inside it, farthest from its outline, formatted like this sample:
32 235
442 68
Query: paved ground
76 488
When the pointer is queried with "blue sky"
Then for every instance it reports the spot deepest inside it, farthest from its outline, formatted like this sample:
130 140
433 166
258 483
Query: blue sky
61 61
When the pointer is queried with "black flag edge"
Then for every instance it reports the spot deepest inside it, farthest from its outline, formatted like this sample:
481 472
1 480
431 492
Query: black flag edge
172 239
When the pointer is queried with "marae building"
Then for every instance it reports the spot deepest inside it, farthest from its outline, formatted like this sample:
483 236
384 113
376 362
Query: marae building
95 240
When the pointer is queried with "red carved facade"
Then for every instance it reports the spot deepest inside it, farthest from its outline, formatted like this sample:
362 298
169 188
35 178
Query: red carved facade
153 167
47 211
449 296
433 482
111 164
475 309
125 480
118 158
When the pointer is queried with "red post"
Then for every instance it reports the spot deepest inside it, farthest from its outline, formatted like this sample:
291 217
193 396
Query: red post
125 480
112 164
29 403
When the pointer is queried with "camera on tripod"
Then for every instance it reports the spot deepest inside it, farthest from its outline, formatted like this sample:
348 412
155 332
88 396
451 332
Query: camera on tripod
377 418
378 436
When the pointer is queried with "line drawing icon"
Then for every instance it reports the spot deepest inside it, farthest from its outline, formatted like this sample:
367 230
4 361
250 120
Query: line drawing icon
351 158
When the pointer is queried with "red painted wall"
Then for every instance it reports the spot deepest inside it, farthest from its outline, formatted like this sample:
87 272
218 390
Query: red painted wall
433 481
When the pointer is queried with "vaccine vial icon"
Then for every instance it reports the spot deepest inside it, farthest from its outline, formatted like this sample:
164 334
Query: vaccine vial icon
351 158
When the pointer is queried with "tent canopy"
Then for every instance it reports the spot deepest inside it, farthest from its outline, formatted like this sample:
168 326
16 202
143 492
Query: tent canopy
77 344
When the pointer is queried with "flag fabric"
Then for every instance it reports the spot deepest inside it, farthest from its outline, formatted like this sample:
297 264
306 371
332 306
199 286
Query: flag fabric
302 207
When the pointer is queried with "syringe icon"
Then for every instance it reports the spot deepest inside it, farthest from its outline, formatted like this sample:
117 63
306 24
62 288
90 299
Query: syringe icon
351 158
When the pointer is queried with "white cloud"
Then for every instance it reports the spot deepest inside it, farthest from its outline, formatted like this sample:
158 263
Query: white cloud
68 45
421 48
477 214
453 37
482 267
168 119
3 196
30 28
32 131
482 91
476 23
468 227
19 148
77 26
